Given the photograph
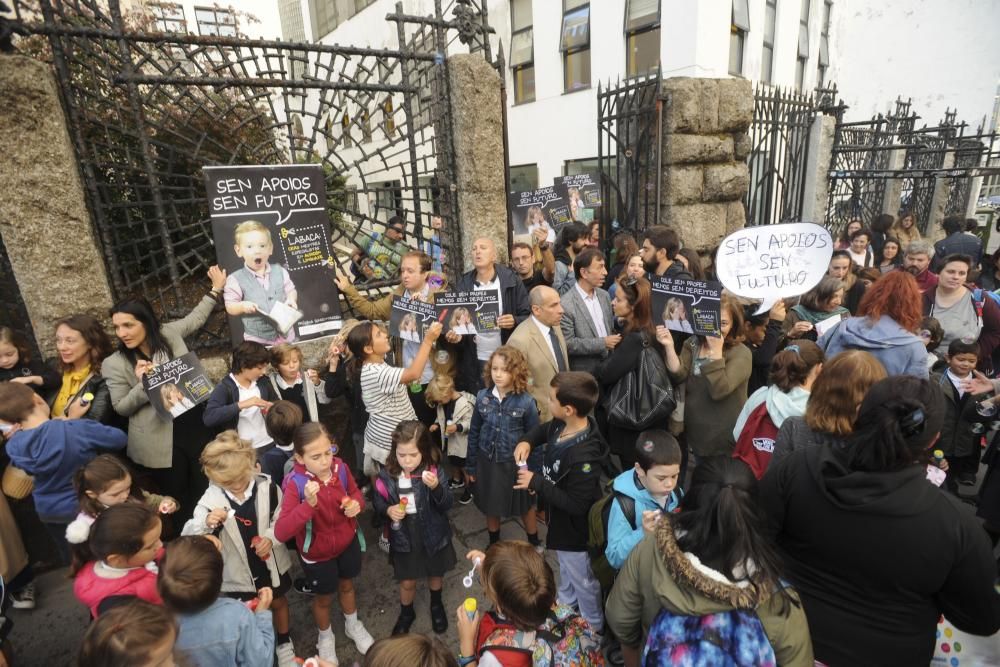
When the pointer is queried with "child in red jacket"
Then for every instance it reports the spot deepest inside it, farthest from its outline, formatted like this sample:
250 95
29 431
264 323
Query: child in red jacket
319 508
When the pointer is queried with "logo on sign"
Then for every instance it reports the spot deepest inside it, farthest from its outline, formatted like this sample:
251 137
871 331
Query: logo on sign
764 445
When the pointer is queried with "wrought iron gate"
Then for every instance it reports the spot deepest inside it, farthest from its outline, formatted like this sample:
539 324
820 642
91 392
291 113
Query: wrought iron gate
147 109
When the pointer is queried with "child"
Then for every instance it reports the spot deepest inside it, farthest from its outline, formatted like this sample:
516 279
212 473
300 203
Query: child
215 631
240 400
103 483
454 418
281 421
762 335
134 633
962 430
16 365
652 487
410 650
124 542
319 508
932 334
240 506
420 541
338 384
253 290
574 454
288 384
51 450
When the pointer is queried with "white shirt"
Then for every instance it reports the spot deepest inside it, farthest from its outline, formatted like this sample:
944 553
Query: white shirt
488 341
246 493
957 382
594 308
544 328
251 423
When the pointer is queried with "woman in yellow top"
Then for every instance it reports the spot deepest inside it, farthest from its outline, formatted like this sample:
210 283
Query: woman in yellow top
82 345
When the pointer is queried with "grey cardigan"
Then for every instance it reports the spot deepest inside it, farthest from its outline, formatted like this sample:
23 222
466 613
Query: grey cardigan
150 438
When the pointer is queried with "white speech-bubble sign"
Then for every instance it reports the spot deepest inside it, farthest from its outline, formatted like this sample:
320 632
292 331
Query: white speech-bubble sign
773 262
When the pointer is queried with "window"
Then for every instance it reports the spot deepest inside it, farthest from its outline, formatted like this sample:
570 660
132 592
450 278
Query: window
366 126
642 37
388 122
524 178
345 130
169 17
574 42
362 4
324 17
767 56
738 29
824 45
803 54
215 21
522 51
389 198
574 167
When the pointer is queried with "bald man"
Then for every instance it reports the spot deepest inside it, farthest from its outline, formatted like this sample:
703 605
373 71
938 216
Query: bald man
540 339
474 351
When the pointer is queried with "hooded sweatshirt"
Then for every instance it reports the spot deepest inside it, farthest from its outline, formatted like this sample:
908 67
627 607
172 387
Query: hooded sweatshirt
622 537
877 557
658 575
901 352
780 406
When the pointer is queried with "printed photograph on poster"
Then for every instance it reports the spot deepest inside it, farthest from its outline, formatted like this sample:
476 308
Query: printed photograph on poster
582 194
687 306
410 318
468 313
272 236
542 208
177 386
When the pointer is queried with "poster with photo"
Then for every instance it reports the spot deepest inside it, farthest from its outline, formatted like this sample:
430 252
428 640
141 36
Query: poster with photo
272 236
177 386
687 306
468 313
582 194
538 208
409 318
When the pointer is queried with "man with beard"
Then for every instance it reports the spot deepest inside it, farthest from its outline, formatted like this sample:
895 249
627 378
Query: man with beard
659 253
572 239
918 261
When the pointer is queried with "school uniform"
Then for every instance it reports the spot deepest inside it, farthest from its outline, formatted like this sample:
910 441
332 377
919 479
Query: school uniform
302 393
222 412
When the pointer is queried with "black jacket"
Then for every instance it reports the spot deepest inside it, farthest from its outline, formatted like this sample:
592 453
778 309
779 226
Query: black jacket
570 481
763 355
877 557
100 408
51 380
432 510
337 384
222 411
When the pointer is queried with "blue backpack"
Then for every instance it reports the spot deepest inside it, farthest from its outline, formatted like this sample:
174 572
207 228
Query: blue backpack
300 480
728 639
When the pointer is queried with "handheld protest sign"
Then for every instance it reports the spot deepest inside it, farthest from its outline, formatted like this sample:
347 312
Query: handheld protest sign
773 262
409 318
177 386
582 194
468 313
272 235
541 208
687 306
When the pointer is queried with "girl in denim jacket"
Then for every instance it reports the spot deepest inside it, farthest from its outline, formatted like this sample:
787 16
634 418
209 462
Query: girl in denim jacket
504 412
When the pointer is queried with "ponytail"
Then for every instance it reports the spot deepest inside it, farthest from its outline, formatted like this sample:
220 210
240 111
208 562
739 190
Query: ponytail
359 338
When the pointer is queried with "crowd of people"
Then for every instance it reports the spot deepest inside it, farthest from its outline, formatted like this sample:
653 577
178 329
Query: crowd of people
803 496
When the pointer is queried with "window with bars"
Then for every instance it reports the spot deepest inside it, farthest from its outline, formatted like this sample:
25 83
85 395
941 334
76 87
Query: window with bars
767 55
215 21
824 44
522 51
523 177
803 48
642 37
168 17
574 42
738 29
324 17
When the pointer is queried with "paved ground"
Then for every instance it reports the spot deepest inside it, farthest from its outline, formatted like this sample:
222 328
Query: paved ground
50 634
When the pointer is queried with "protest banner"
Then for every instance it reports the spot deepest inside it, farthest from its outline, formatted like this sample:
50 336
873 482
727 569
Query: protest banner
538 208
687 306
582 194
177 386
468 313
774 262
409 318
272 235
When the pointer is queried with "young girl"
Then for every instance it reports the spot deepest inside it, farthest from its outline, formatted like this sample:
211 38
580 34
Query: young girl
504 413
240 400
318 509
454 418
124 542
105 482
287 380
240 506
16 364
134 633
410 493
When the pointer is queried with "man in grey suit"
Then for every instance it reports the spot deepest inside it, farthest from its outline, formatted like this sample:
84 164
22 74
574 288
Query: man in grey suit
588 322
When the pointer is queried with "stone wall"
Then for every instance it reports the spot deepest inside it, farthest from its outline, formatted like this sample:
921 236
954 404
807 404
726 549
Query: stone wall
43 213
704 150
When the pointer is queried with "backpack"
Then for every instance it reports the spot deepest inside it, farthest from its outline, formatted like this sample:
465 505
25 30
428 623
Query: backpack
727 639
300 480
756 442
979 302
598 520
643 397
564 640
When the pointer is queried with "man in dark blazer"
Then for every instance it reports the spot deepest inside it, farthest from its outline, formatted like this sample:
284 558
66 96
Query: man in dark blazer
587 321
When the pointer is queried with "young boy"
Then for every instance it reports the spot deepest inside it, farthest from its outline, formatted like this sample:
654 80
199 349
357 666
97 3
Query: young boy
652 485
281 421
962 429
51 450
212 630
574 454
932 334
240 400
252 291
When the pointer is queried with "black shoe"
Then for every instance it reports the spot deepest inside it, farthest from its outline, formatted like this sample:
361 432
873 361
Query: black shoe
439 618
967 479
466 497
404 622
302 586
455 484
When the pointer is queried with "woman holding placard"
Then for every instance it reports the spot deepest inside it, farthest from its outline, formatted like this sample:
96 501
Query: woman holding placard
167 451
817 311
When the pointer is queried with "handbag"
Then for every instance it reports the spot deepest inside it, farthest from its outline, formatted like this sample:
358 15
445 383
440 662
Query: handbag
644 397
16 483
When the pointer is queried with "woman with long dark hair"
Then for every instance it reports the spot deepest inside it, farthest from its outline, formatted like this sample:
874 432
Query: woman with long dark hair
709 571
82 345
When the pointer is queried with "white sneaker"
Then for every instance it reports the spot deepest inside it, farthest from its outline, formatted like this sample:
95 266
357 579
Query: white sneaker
357 632
286 655
326 646
383 543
